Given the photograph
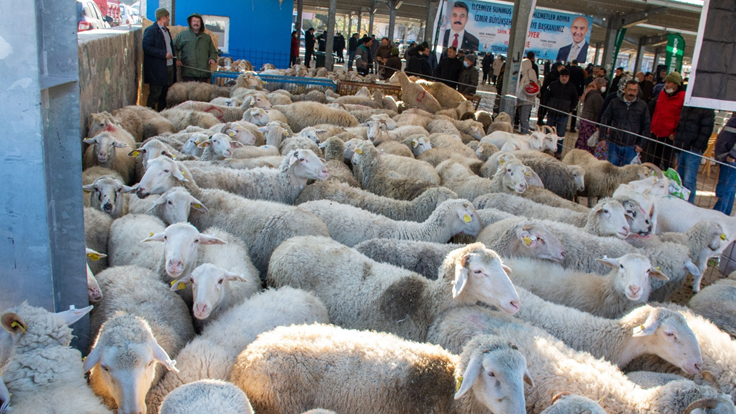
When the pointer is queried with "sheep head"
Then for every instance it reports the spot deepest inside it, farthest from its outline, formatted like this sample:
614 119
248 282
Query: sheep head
608 218
513 176
419 144
93 287
305 165
239 133
256 116
191 147
209 285
104 147
161 175
181 248
534 240
221 145
99 122
631 274
640 222
106 193
578 174
176 204
150 150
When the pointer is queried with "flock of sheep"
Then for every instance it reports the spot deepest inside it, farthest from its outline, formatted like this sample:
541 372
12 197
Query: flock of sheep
268 252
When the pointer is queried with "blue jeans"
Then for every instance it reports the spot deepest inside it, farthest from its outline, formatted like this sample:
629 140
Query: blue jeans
555 119
726 189
619 155
351 58
687 166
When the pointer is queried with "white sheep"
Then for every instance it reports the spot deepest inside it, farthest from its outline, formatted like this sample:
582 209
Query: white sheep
96 233
262 225
384 297
173 206
716 302
213 353
41 371
109 195
182 118
372 372
624 287
207 396
102 151
461 179
351 225
519 237
124 245
566 403
300 115
93 287
677 215
218 147
451 142
334 149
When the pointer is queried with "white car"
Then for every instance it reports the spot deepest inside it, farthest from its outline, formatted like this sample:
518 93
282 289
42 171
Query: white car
128 15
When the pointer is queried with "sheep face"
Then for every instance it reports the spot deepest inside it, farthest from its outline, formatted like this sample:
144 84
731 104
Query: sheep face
222 145
579 174
257 101
106 194
481 276
275 133
534 240
312 133
638 219
350 147
548 138
610 219
161 175
209 284
390 123
256 116
124 359
667 332
181 248
514 176
239 133
191 147
420 144
98 122
464 217
496 372
377 131
93 288
177 204
104 147
152 149
632 272
306 165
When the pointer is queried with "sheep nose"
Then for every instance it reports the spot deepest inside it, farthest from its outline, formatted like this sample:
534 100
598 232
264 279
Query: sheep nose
107 207
634 289
175 263
698 367
201 308
563 254
516 304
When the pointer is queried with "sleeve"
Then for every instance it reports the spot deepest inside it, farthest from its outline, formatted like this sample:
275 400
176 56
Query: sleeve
148 48
707 122
213 50
606 119
573 98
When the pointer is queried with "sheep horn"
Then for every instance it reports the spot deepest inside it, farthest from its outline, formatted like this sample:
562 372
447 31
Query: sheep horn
701 403
653 167
559 395
711 379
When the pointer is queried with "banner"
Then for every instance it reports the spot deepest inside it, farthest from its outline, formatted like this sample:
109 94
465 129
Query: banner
620 35
675 51
713 76
485 25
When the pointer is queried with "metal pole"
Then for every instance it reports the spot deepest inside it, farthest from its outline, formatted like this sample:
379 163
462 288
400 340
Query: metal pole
597 53
330 35
350 26
299 11
657 55
370 22
517 40
639 56
609 47
392 19
428 23
360 22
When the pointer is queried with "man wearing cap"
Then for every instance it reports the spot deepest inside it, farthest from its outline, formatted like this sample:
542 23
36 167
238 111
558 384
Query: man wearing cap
468 80
158 60
197 54
664 121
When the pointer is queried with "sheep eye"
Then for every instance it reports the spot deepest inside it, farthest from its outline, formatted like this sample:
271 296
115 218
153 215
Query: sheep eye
165 238
605 211
633 214
104 367
669 334
167 171
477 272
151 363
621 266
170 203
219 282
196 241
492 375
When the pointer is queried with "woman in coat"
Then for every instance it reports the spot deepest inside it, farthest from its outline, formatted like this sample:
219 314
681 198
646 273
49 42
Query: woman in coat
590 115
525 100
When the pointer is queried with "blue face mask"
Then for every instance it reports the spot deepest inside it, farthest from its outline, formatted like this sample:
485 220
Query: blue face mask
465 63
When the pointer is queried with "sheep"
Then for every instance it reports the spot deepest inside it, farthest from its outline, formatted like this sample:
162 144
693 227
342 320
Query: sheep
207 396
298 142
389 298
243 132
566 403
461 179
705 240
464 110
153 123
222 113
260 224
102 151
151 149
334 149
395 148
260 100
624 287
602 177
414 96
123 118
445 95
607 218
351 225
213 353
501 123
277 372
124 245
452 143
419 209
40 369
442 126
538 195
180 92
418 143
282 185
470 130
370 171
716 302
123 362
94 293
173 206
300 115
677 215
521 237
181 118
218 147
109 195
409 167
96 232
558 368
485 150
506 141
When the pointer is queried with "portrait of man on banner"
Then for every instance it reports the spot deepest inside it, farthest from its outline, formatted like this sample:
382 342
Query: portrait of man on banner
456 36
578 50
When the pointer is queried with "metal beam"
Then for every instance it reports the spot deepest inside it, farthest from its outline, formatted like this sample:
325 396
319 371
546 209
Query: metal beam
350 26
392 19
428 24
608 45
629 20
299 11
370 20
639 55
360 22
655 40
520 20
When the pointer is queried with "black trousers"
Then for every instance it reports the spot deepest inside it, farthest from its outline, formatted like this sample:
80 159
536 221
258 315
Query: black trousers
659 154
157 93
308 57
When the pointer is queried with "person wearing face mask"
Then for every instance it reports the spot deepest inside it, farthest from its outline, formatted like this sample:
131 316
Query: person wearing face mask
468 80
592 104
665 118
629 115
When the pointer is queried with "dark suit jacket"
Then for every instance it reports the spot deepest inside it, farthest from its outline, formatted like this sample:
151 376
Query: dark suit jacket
565 50
469 42
154 56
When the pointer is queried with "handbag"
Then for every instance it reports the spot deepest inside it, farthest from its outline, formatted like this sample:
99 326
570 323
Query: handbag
532 88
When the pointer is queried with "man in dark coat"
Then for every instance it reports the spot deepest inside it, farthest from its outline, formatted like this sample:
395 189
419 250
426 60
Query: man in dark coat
158 60
486 66
322 42
352 45
627 113
339 46
726 152
468 80
449 68
577 79
308 46
693 132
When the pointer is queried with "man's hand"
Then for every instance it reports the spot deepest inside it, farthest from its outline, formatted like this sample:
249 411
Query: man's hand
178 63
730 159
211 62
637 149
169 55
672 136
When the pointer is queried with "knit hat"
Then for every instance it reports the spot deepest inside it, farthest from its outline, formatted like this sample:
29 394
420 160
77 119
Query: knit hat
675 78
394 51
162 12
471 57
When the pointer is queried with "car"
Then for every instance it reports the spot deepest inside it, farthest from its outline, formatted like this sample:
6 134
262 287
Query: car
128 15
89 16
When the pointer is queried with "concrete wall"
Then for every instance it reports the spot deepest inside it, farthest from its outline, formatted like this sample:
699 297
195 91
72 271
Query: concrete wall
109 70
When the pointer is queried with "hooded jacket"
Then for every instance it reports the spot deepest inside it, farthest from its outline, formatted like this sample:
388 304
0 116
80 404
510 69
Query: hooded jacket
194 50
667 113
696 126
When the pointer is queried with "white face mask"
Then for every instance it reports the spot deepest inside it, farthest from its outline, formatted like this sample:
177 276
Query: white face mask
465 63
669 91
603 88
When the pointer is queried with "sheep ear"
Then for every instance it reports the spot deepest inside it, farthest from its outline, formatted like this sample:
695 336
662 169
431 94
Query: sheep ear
197 205
88 188
93 255
179 175
236 144
159 201
72 315
528 378
128 189
294 158
181 284
532 178
225 127
235 277
320 131
649 326
207 239
610 262
472 371
155 237
119 144
461 277
506 269
13 323
90 141
137 152
92 359
657 274
160 355
205 144
690 266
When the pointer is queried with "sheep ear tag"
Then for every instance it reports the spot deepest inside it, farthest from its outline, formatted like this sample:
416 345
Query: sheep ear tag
459 383
134 153
180 286
723 237
93 256
358 150
639 329
467 218
231 134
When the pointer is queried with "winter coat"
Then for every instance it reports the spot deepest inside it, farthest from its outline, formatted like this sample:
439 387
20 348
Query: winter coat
487 62
592 105
633 117
413 66
154 56
647 87
294 46
526 75
309 41
667 113
577 77
194 50
352 44
695 127
561 97
449 71
726 140
469 76
497 64
384 52
363 57
393 64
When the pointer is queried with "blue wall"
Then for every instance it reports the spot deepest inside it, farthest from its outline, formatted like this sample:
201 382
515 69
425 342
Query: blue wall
260 30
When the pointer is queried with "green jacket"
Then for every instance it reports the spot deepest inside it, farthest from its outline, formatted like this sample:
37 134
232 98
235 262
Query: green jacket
194 51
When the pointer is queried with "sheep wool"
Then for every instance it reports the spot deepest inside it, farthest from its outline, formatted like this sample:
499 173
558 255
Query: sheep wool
207 396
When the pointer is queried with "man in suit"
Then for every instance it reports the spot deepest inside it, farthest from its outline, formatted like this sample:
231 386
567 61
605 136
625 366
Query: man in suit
578 50
457 37
158 60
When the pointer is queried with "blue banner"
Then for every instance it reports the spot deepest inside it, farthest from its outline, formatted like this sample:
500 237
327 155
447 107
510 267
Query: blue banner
484 26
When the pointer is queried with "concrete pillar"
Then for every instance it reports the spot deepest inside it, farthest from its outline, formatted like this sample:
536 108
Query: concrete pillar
597 53
392 19
639 56
370 23
299 10
350 26
428 26
330 41
608 48
42 257
360 22
517 40
657 55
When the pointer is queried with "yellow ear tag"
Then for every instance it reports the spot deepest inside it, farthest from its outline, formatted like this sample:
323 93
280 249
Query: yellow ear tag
197 205
527 174
358 150
467 218
94 257
659 268
15 324
414 143
458 384
135 153
501 161
638 329
150 235
181 286
723 237
527 241
232 134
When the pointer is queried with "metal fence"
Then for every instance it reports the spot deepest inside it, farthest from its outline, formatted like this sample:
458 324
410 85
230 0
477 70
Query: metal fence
258 58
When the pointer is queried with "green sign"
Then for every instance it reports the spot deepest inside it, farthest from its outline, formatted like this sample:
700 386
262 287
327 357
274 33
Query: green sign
620 34
675 51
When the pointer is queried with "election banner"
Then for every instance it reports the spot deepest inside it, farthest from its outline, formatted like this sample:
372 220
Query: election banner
484 26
